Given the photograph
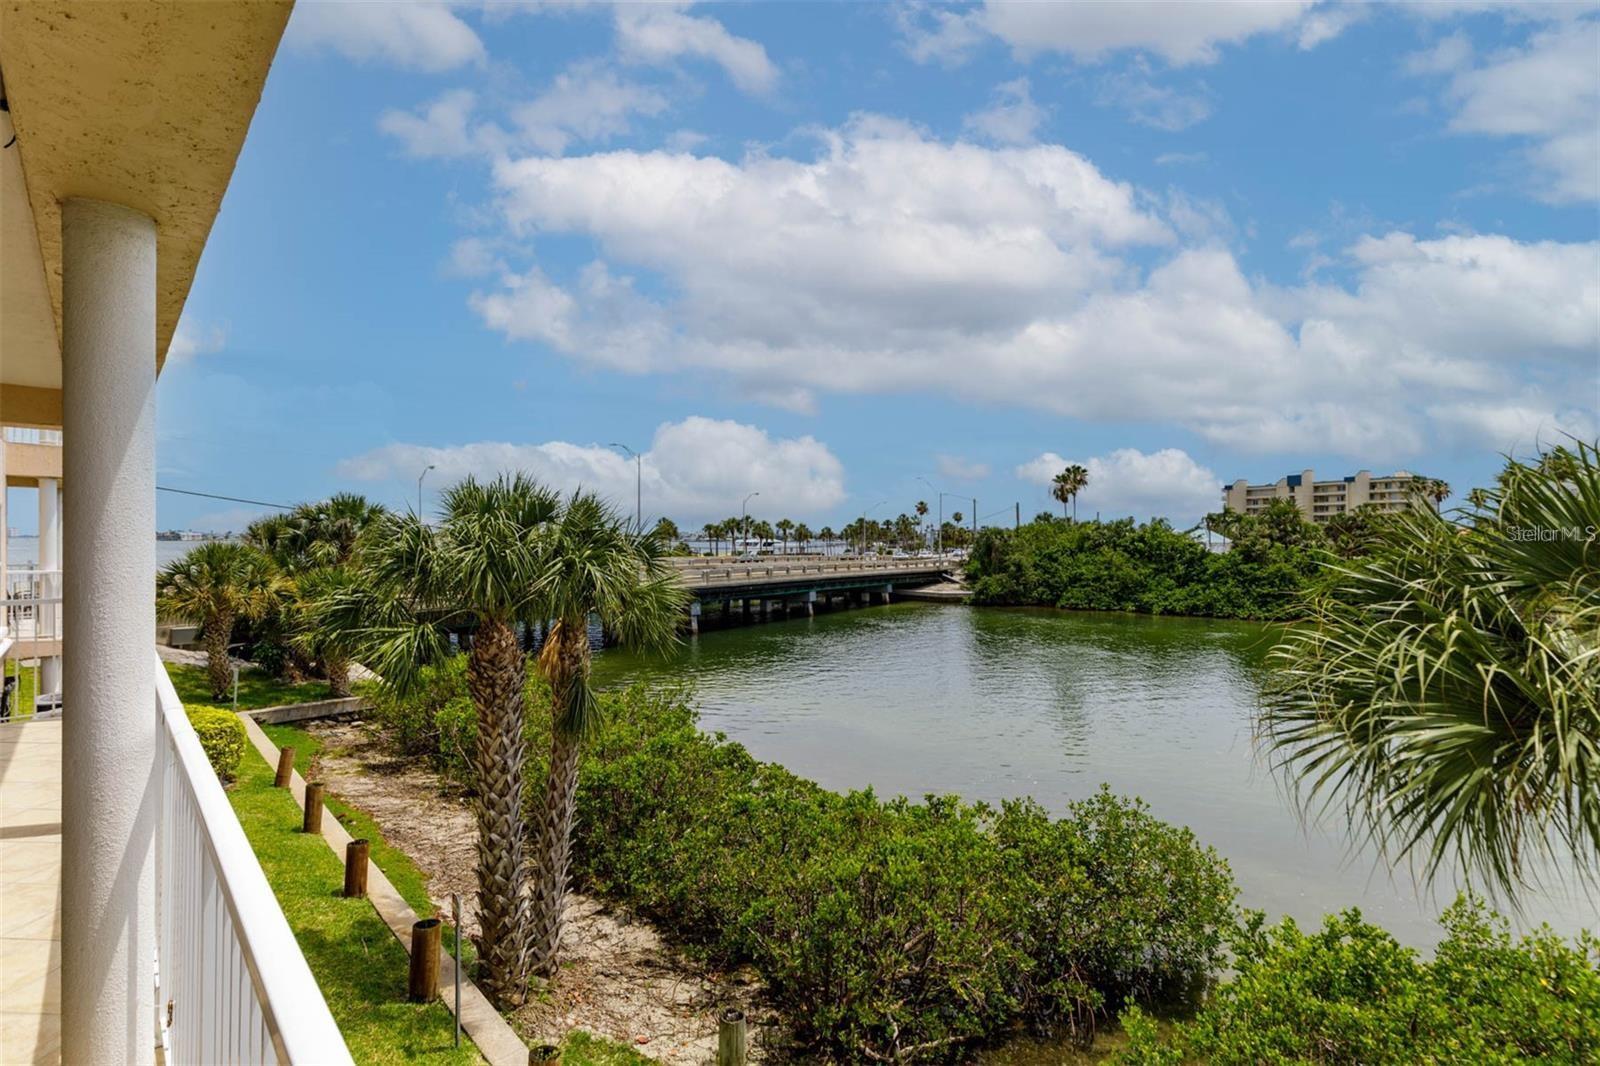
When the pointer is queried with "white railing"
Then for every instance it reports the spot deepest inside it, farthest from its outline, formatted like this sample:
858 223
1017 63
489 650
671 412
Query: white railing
24 435
30 603
232 984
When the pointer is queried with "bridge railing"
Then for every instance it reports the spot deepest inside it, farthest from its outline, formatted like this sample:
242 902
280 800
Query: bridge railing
710 572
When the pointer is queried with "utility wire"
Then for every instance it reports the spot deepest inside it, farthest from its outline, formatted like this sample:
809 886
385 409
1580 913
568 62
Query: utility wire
230 499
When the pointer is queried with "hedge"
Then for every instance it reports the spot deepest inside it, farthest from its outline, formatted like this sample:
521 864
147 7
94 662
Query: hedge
222 736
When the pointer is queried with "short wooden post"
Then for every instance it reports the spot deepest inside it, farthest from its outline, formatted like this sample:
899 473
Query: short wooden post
731 1038
425 939
285 768
313 819
355 869
544 1055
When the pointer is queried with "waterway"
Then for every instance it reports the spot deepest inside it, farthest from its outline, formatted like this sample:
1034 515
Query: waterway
996 703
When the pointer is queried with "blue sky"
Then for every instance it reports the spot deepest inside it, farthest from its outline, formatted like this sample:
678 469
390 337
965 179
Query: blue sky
821 251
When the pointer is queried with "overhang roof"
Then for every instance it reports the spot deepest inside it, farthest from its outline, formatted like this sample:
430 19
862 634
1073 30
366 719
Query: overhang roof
142 103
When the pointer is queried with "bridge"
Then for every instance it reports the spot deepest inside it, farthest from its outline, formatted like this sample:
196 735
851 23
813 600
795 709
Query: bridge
767 585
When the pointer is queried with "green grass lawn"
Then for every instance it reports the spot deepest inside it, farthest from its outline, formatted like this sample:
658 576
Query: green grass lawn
359 964
27 679
279 820
256 689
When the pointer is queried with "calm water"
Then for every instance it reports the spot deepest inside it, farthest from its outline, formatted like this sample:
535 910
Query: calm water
917 698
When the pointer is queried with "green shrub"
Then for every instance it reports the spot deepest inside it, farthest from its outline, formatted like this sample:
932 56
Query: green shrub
1350 993
222 736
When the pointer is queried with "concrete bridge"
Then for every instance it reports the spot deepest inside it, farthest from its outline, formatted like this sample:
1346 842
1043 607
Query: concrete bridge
768 585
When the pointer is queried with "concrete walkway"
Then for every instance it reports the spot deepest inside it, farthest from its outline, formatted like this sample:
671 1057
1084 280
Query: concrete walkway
30 892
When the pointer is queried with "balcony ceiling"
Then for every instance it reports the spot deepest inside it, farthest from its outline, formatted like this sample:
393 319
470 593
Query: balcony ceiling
140 103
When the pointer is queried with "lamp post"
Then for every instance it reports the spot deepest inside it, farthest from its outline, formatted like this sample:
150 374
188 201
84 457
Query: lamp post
864 514
942 495
744 522
638 485
420 476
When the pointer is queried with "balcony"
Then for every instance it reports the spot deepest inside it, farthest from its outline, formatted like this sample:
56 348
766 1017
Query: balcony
230 984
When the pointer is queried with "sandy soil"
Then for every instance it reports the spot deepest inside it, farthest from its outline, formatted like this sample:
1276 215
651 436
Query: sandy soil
619 978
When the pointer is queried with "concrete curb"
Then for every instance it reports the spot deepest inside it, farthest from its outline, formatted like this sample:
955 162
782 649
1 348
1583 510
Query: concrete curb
496 1040
301 712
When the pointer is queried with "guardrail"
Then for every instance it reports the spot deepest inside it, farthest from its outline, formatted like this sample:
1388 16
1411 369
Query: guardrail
30 603
233 986
710 573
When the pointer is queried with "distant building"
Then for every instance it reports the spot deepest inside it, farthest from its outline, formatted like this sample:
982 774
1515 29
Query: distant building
1321 500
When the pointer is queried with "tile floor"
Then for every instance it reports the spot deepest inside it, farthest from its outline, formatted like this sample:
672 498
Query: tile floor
30 892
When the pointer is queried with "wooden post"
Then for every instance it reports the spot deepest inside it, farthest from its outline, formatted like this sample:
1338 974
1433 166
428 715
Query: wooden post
355 869
731 1038
285 768
313 819
425 939
544 1055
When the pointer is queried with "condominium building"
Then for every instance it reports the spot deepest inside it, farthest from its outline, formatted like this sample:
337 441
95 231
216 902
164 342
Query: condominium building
1321 500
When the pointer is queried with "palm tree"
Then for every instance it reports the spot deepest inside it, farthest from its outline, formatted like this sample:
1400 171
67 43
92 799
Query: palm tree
216 585
1447 685
827 536
504 551
1431 489
785 527
1066 486
922 512
712 532
803 534
331 647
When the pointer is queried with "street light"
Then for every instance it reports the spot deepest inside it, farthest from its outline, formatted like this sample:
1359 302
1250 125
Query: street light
864 514
942 495
744 522
420 476
638 485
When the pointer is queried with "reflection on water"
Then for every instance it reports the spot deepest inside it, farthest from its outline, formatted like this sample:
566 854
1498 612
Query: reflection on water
991 704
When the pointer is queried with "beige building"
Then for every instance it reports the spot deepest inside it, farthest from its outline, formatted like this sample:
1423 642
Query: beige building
1321 500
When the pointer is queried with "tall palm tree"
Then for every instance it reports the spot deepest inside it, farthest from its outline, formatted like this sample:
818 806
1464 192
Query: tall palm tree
503 551
785 528
803 534
591 565
827 536
1446 687
216 585
478 567
1431 489
1066 485
922 512
307 596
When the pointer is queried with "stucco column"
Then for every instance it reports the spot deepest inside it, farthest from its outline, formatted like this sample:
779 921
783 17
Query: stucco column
49 621
108 779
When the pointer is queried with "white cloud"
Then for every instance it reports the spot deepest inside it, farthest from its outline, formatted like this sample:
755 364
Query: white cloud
585 103
1012 118
659 33
953 466
1180 33
418 35
439 131
1545 92
1149 104
192 339
695 470
1000 276
1166 483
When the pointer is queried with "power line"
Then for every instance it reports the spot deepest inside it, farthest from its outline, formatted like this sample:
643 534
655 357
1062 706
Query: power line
230 499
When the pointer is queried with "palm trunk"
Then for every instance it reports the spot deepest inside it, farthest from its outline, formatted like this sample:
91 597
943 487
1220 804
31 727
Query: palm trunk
495 679
337 667
564 662
219 671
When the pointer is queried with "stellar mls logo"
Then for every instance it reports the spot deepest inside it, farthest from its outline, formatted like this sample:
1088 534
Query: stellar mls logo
1546 534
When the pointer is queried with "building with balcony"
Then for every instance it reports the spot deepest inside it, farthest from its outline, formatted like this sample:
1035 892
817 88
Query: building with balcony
1321 500
137 924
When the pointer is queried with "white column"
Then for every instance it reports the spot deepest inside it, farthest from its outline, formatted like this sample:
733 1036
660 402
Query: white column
108 780
49 584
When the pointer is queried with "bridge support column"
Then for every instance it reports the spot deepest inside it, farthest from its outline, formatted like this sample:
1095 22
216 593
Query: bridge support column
886 590
811 604
694 617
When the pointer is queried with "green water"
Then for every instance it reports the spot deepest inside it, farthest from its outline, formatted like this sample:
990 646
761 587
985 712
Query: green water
988 703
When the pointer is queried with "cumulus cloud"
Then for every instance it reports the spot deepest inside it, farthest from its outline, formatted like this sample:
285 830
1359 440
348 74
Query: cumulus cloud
1544 92
439 130
193 339
1012 118
1006 275
1180 33
695 470
1151 104
586 103
419 35
1161 484
953 466
660 33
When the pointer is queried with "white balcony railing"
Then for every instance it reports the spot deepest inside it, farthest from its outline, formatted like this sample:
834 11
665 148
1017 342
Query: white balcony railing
232 984
30 603
25 435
